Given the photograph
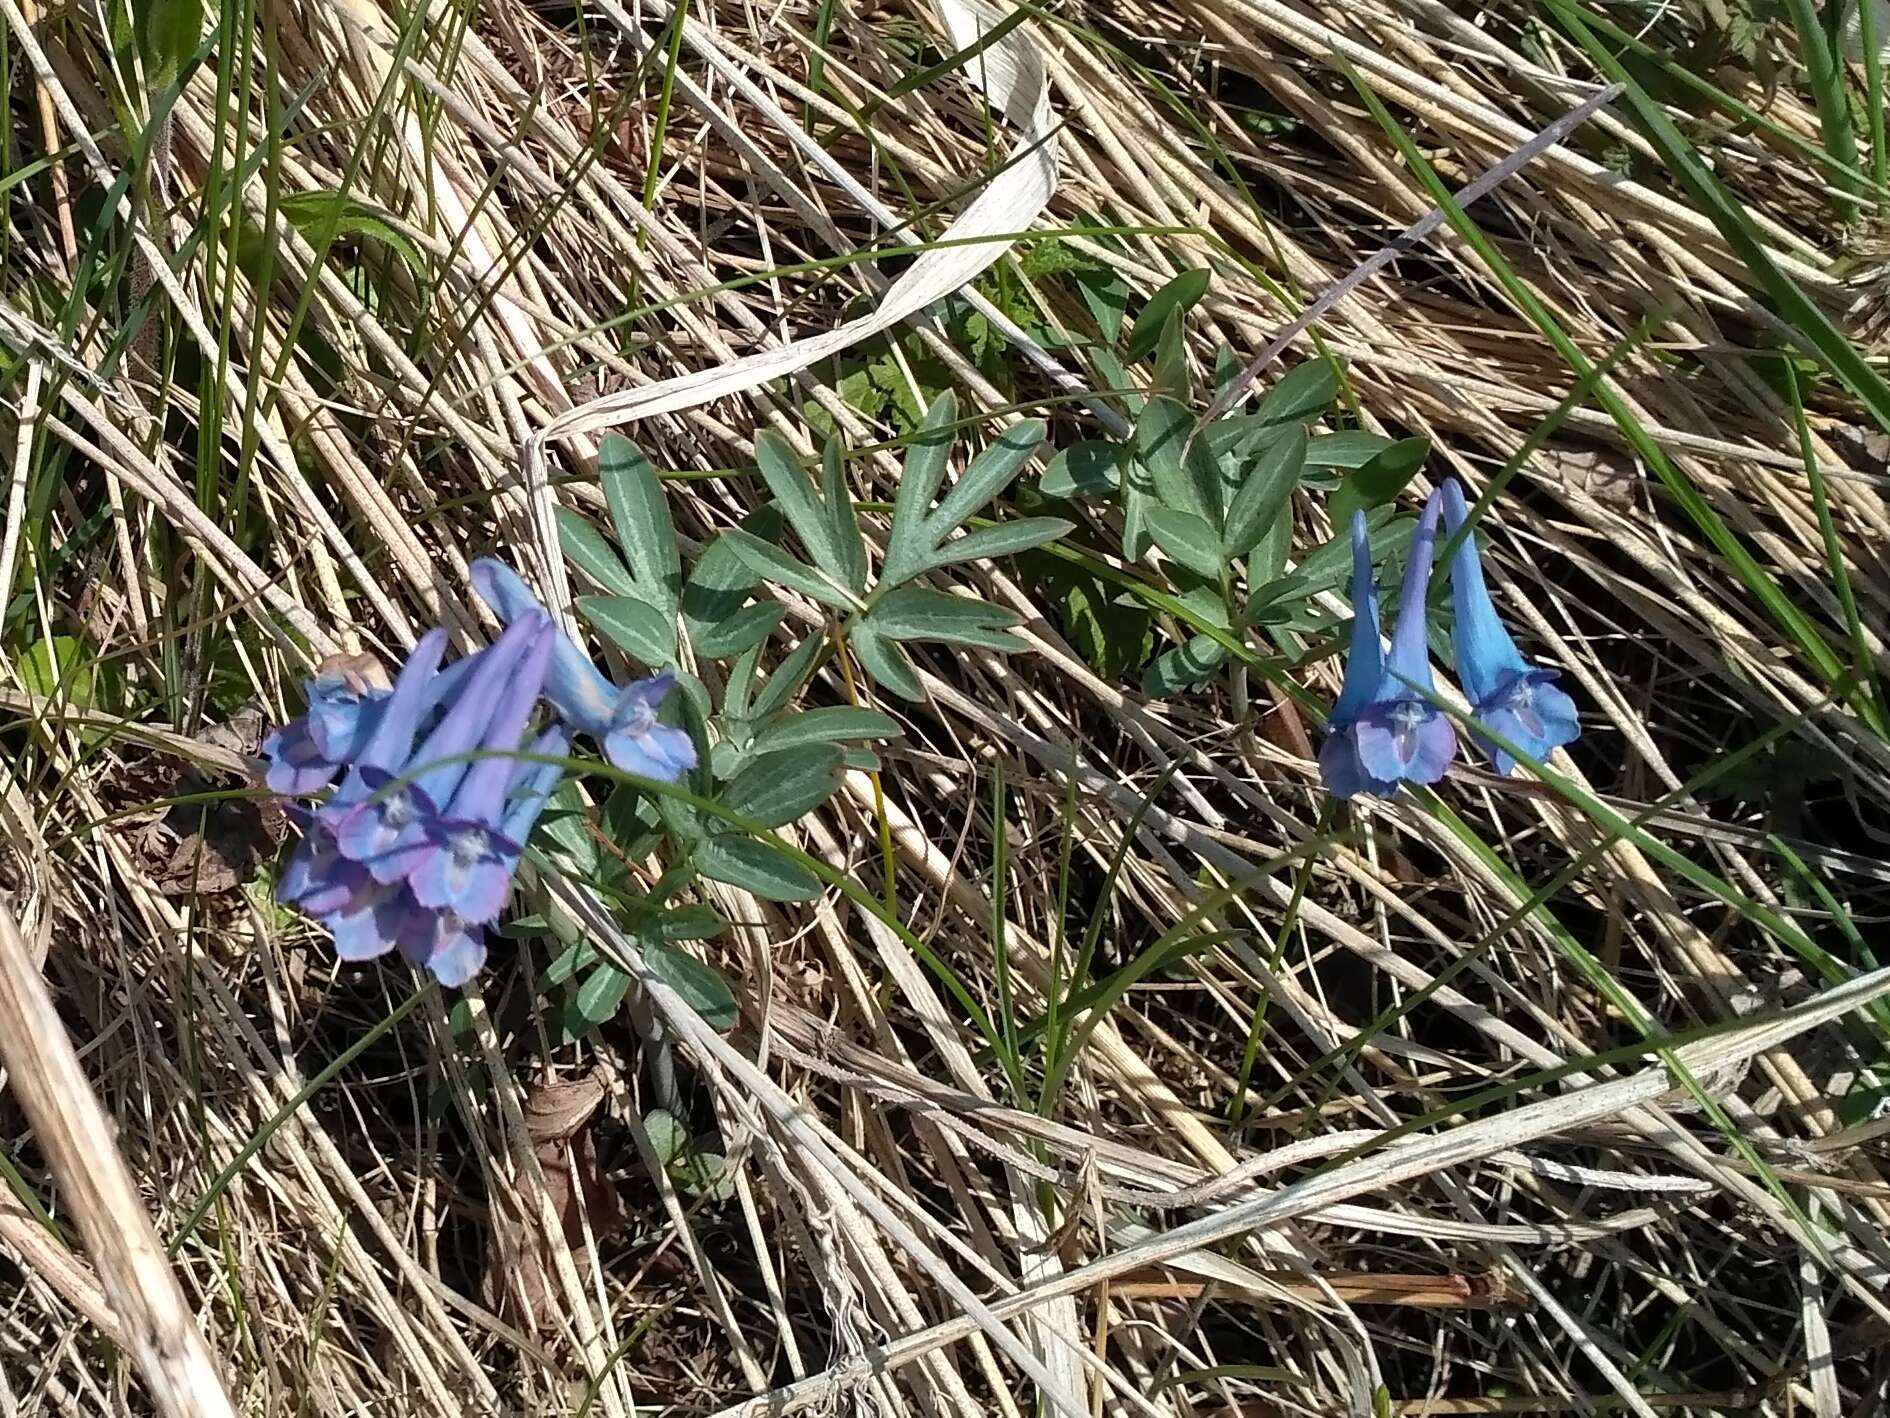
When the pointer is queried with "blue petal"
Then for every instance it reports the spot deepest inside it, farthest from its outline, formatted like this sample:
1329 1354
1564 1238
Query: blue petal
442 944
573 684
367 926
473 887
341 718
1342 772
469 721
660 752
480 797
1405 740
383 833
317 878
1365 660
1408 670
1532 714
399 721
297 764
534 787
1486 656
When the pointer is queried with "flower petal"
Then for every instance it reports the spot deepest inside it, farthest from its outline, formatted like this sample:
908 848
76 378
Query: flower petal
341 719
1341 771
472 884
317 878
659 752
368 925
445 946
297 765
533 790
481 794
1407 740
1532 714
1408 669
577 688
1485 654
1365 660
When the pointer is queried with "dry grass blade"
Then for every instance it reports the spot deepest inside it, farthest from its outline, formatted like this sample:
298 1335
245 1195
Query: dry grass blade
1114 1066
151 1316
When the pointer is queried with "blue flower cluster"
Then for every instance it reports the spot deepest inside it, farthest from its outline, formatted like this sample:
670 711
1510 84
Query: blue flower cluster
1386 726
418 846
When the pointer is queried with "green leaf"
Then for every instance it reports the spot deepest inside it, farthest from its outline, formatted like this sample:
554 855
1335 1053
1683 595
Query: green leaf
722 582
884 662
641 631
1005 539
640 512
1105 294
1378 481
909 539
1189 540
1170 378
989 474
1179 476
171 33
1328 565
826 725
844 523
916 613
1348 448
1264 492
767 559
1184 668
669 1139
61 669
704 989
594 555
1109 631
785 681
691 923
632 821
563 823
748 627
1136 505
1091 468
601 995
775 461
778 788
323 216
570 962
1180 294
756 867
1301 395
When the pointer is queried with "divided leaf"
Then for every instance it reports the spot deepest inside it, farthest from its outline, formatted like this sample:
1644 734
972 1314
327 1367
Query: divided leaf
1264 491
915 613
1179 295
1302 394
640 513
754 866
767 559
635 627
778 788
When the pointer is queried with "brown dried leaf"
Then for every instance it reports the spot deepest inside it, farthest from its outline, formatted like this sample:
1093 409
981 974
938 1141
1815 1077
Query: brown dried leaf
559 1114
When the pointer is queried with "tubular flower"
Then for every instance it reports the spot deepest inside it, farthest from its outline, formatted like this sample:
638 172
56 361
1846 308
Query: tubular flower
345 701
1385 729
622 720
379 814
1516 701
413 852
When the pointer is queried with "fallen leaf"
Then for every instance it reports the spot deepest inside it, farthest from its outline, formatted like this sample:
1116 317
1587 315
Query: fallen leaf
520 1276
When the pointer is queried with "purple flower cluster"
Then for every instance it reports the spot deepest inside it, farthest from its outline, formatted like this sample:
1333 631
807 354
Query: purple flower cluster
418 846
1386 726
